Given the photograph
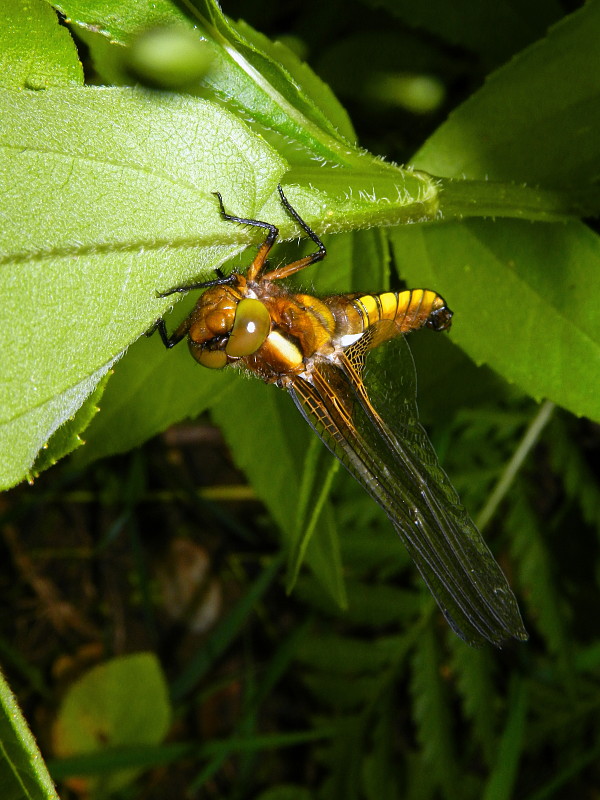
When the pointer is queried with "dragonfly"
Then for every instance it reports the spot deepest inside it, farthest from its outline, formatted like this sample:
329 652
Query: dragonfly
326 353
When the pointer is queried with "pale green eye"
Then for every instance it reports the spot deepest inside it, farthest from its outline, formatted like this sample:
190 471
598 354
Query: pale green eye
250 328
213 359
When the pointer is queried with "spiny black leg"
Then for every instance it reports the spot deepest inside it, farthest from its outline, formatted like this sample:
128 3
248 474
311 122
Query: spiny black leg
263 251
273 231
220 281
302 263
322 252
168 341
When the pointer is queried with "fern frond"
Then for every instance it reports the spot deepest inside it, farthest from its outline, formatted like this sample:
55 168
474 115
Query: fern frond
381 776
501 782
533 562
579 482
432 714
473 670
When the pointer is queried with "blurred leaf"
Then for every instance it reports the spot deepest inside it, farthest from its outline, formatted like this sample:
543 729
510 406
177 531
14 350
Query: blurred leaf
221 637
121 702
317 477
378 604
109 760
168 57
579 478
361 66
534 119
285 792
269 440
381 776
345 655
342 693
494 30
345 767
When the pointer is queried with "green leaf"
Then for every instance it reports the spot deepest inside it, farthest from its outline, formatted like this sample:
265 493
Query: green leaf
369 604
153 388
261 82
35 51
535 119
532 307
345 655
524 300
120 703
93 228
109 760
67 438
23 775
347 741
329 112
381 776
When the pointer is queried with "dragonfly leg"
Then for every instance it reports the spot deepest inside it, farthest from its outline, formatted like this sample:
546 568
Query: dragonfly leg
177 335
263 250
296 266
219 281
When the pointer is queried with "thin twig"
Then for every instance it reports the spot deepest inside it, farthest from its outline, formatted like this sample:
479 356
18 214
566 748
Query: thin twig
529 440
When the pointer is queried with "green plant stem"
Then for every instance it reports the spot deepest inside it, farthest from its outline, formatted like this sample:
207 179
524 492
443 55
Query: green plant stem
532 434
467 198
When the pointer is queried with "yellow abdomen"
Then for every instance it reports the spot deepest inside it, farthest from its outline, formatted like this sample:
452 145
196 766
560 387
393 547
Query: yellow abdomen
408 310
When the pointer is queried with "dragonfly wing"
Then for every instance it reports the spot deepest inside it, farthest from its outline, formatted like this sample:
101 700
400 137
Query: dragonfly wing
397 465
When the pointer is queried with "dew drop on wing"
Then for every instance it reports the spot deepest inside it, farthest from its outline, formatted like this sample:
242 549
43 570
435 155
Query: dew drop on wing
416 517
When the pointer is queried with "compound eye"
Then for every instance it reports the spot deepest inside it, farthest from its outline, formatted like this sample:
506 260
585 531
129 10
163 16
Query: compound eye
250 328
213 359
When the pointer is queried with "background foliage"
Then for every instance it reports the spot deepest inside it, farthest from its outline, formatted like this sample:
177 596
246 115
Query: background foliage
351 686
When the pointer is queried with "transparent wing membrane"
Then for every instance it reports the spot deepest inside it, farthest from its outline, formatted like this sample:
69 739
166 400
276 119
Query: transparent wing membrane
397 465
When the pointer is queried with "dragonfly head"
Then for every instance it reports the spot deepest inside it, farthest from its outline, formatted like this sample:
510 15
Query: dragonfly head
226 327
440 317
